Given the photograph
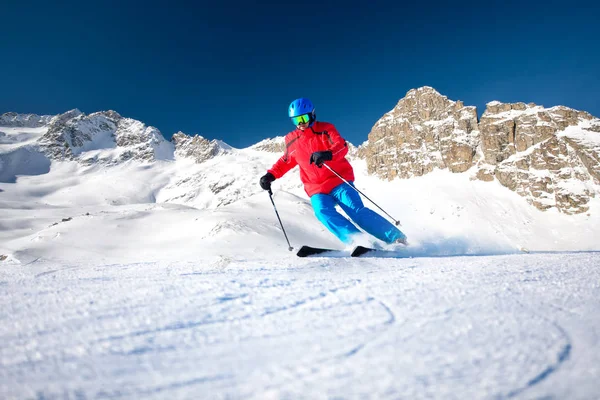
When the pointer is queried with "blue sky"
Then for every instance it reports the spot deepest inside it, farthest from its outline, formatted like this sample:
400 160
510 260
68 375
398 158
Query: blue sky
228 70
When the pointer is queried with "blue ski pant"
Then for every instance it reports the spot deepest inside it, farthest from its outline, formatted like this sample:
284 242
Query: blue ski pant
349 200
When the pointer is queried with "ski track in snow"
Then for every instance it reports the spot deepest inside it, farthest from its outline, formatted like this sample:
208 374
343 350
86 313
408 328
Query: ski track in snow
506 326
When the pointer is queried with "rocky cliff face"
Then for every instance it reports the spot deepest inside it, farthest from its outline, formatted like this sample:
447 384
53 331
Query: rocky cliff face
424 131
549 156
532 154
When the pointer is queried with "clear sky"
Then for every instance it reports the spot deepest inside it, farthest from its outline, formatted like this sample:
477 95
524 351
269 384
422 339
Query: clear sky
229 69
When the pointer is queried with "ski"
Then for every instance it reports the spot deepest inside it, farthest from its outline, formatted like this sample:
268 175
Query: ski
361 250
306 251
358 251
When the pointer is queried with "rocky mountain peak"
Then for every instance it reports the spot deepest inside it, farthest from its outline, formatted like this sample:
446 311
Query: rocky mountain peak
274 145
528 148
107 135
197 147
424 103
422 91
424 131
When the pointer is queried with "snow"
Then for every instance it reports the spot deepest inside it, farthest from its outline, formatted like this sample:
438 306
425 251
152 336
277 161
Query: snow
513 114
581 135
483 327
139 281
13 138
436 124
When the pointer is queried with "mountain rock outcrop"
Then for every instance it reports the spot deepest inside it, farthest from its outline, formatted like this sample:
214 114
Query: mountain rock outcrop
275 145
549 156
532 154
424 131
197 148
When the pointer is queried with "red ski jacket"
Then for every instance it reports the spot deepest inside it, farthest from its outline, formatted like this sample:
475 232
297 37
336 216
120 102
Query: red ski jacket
299 145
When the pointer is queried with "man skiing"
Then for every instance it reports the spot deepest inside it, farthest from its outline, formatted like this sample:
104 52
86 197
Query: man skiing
312 144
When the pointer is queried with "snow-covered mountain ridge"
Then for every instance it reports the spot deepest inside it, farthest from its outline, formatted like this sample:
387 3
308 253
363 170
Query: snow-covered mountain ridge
12 119
550 156
106 160
102 137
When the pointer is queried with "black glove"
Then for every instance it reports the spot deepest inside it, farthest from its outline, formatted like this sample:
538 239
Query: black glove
265 181
319 157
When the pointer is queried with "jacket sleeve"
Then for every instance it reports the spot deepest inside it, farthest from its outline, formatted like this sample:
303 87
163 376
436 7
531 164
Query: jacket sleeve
283 165
339 147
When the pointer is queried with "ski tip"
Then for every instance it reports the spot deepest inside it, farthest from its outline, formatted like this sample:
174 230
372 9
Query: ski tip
360 250
306 251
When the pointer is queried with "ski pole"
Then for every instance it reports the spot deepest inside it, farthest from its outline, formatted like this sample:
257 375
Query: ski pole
290 248
397 222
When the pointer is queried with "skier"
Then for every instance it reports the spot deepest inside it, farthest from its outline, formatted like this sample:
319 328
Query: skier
310 145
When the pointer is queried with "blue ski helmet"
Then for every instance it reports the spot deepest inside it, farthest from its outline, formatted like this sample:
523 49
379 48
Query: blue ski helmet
302 106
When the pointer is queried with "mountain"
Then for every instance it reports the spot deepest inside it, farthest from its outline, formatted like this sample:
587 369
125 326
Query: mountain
198 148
102 137
458 181
550 156
275 145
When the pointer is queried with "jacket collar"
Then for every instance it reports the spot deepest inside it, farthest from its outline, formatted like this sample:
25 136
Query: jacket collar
311 128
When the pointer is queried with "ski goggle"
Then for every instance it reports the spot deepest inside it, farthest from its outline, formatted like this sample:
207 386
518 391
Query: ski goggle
301 119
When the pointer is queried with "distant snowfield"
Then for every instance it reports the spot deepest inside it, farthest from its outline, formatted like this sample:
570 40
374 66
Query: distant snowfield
136 281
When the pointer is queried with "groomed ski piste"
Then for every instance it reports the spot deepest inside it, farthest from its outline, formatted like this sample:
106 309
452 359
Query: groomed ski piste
129 282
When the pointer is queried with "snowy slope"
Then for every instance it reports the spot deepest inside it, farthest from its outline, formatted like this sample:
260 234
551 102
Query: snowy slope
172 279
19 154
220 199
